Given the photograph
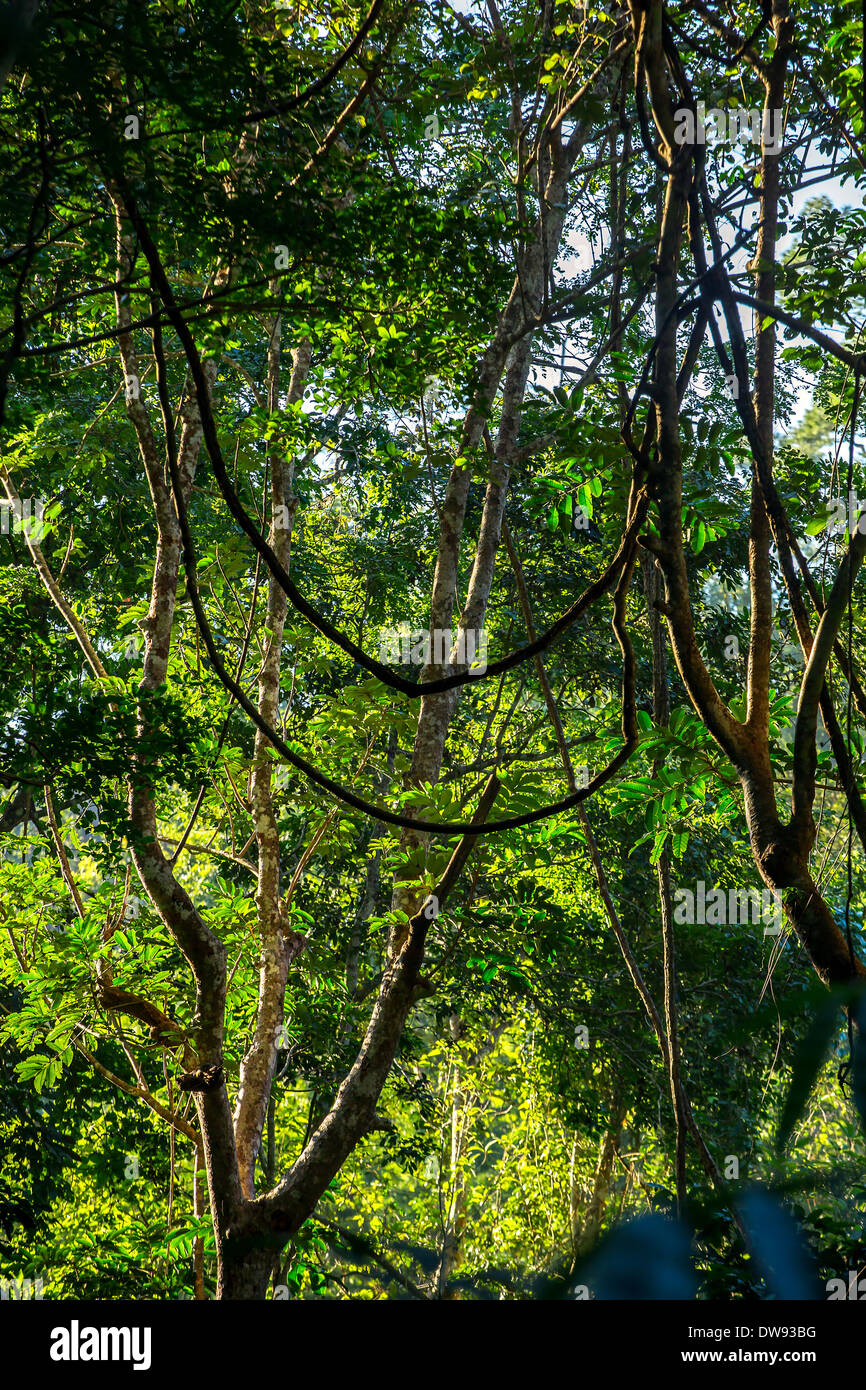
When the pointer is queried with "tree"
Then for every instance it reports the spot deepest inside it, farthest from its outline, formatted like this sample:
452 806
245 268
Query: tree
322 261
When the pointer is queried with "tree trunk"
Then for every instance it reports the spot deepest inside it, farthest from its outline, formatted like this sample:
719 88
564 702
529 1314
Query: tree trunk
245 1275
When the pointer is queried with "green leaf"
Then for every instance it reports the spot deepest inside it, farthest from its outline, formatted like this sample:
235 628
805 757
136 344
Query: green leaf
658 845
679 843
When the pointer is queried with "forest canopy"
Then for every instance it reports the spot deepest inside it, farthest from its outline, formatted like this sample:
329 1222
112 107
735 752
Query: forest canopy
432 706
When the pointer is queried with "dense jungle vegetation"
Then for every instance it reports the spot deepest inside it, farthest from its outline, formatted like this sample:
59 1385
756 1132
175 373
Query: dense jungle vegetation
432 703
